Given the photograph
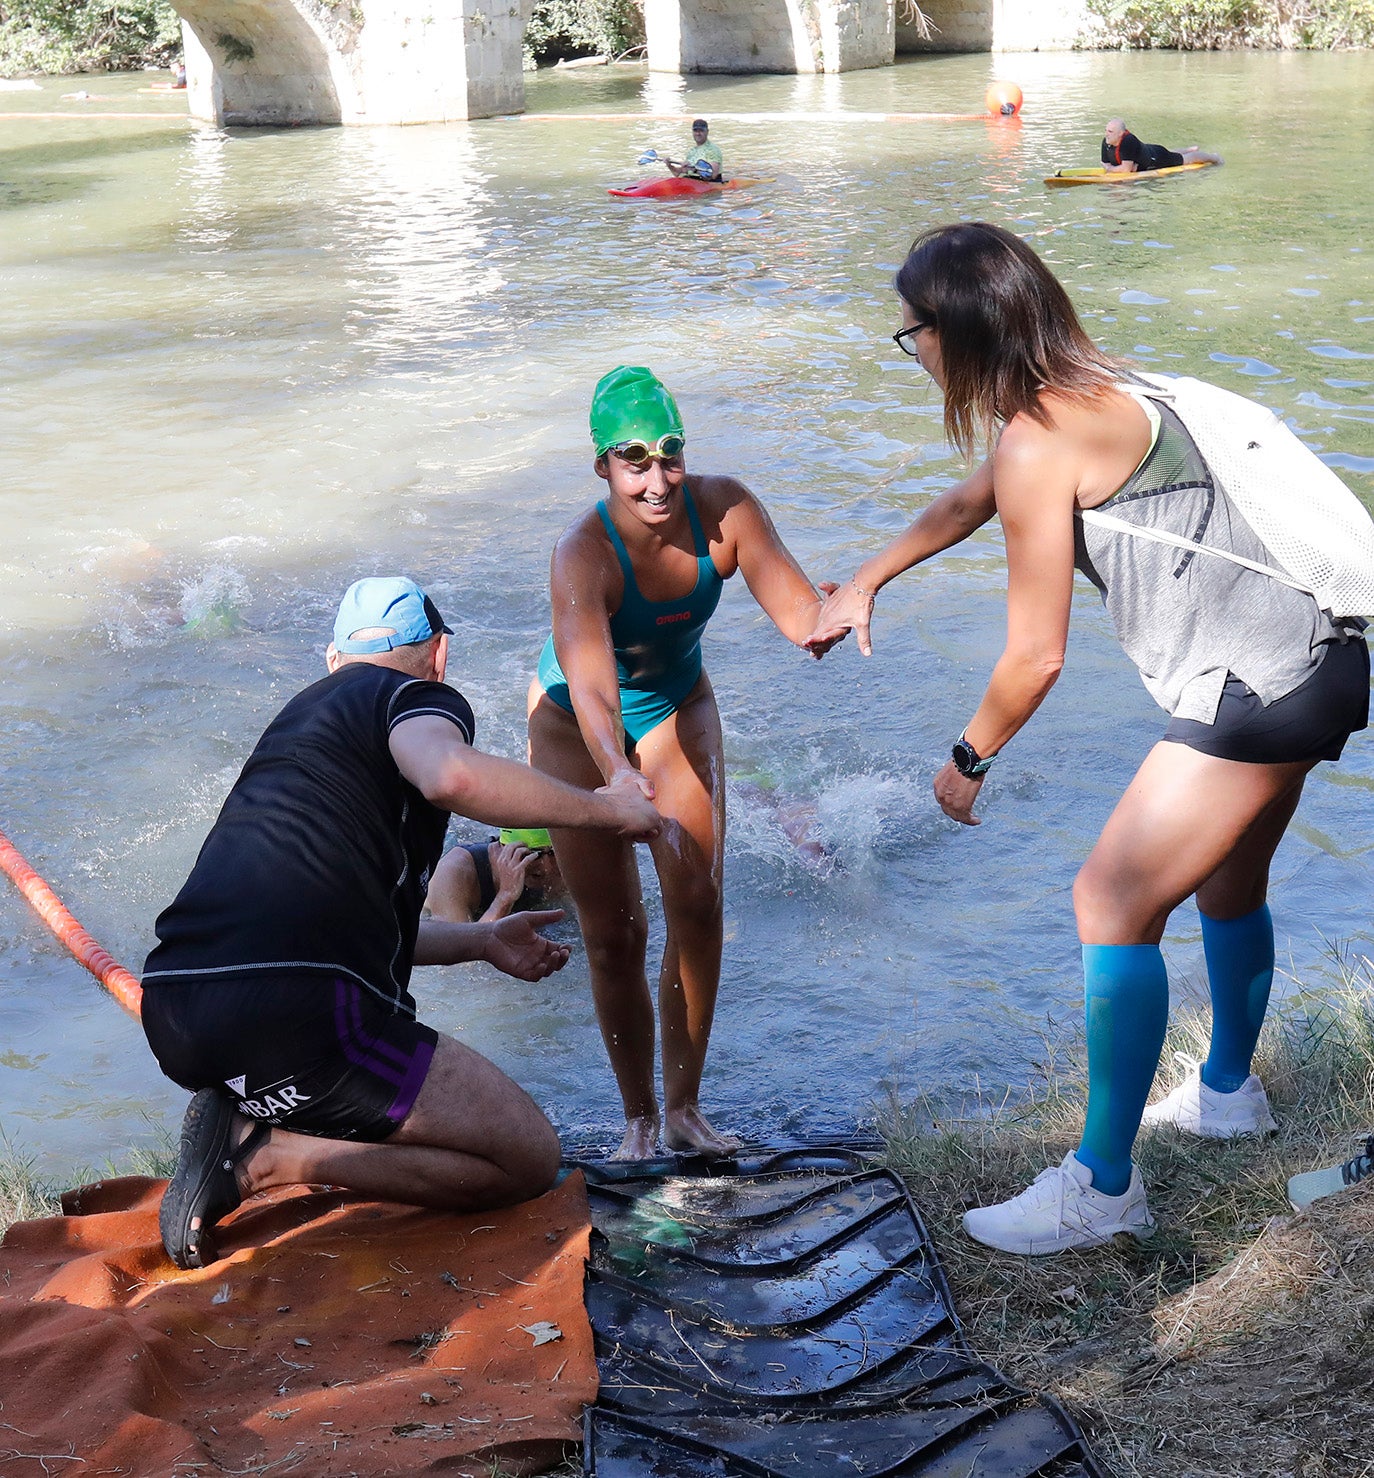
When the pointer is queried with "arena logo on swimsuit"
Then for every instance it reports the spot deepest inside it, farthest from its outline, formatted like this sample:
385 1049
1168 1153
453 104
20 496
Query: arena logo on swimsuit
668 620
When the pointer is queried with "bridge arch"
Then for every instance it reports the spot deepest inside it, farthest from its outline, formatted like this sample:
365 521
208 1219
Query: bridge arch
264 62
395 61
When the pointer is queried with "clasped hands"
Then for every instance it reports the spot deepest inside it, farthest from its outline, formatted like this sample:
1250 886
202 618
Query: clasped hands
846 608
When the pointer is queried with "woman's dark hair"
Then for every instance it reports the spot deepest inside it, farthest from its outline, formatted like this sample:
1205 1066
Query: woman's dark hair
1007 329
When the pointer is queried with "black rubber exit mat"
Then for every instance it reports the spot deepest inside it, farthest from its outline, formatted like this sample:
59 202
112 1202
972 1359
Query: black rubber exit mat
782 1315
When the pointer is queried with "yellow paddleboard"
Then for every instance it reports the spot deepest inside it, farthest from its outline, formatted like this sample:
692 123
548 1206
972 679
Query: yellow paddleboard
1099 176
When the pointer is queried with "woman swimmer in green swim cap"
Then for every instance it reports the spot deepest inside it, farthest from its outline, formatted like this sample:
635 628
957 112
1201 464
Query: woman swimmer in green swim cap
621 699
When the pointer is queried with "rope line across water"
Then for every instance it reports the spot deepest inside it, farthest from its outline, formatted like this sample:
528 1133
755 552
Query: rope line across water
833 116
123 986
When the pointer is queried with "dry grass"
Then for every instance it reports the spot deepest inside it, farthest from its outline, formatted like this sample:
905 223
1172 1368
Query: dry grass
1240 1339
23 1196
26 1196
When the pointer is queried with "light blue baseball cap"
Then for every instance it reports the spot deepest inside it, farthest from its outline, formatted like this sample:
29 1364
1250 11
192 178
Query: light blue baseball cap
391 606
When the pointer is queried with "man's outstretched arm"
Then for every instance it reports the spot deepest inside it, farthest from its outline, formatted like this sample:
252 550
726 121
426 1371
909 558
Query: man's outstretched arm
431 753
512 944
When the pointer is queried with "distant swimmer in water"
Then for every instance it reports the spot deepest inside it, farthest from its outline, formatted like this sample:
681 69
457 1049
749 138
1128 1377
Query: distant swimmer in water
704 160
1123 153
796 819
484 881
177 84
621 701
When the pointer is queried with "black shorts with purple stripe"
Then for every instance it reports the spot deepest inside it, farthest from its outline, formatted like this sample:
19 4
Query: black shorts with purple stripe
310 1052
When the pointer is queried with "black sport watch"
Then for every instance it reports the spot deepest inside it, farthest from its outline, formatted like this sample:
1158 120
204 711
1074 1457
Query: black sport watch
967 760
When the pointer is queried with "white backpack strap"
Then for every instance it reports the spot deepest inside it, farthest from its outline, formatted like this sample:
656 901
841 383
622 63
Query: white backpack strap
1177 541
1139 383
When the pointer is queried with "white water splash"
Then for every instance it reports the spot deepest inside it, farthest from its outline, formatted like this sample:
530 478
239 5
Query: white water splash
212 602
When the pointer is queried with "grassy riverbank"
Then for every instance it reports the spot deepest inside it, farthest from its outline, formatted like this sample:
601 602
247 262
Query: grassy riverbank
25 1195
68 36
1230 25
1239 1339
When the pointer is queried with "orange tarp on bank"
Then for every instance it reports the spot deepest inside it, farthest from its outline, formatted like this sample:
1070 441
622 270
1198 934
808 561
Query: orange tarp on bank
334 1337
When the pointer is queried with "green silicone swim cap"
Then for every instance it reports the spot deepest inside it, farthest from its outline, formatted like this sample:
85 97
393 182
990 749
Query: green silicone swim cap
533 837
631 403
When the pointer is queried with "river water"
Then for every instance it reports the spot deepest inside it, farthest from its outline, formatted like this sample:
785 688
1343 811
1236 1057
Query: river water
241 369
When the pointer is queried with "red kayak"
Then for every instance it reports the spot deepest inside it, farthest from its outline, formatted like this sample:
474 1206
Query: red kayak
672 187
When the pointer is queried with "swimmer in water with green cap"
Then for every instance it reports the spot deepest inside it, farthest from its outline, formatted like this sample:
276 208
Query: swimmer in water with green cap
622 700
479 882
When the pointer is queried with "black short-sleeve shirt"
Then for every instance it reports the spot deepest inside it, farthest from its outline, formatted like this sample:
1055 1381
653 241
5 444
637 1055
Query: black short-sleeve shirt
322 853
1129 151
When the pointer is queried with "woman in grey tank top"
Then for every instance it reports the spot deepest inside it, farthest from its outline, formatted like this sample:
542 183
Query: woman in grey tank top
1260 684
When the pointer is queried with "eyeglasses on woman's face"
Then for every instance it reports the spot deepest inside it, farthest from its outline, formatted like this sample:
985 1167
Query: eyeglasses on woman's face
905 338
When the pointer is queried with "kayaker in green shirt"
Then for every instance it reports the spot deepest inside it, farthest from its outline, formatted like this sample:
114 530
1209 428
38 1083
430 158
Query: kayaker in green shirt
701 152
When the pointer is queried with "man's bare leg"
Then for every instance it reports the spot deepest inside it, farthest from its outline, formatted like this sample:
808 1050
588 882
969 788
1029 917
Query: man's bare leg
474 1140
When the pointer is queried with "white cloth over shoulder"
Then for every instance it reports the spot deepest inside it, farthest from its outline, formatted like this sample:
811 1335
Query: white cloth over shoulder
1315 528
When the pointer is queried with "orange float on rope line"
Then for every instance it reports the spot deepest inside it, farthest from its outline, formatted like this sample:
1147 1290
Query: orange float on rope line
123 986
1004 99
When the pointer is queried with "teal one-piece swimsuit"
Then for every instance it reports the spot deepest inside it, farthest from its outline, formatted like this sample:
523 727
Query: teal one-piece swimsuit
657 643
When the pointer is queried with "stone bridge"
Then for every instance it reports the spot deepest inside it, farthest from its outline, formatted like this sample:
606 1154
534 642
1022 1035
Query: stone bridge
273 62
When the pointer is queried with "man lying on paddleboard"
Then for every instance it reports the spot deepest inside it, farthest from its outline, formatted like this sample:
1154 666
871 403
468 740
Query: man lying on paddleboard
1123 153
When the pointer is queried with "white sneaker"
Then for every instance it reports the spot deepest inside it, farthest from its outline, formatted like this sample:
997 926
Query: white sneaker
1314 1184
1200 1110
1060 1209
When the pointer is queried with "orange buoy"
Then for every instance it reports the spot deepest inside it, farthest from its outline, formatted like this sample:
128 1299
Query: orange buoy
123 986
1003 99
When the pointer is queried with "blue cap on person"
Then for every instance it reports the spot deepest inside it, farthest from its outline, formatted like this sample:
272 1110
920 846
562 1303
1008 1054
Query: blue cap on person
383 612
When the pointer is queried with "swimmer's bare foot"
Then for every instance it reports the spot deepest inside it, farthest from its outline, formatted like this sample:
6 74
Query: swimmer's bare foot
687 1129
641 1140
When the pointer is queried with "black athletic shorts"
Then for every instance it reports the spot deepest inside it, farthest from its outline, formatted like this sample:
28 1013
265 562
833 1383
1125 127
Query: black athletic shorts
304 1050
1156 156
1310 723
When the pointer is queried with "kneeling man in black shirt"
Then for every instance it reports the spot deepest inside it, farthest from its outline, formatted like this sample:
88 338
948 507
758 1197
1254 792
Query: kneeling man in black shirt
279 989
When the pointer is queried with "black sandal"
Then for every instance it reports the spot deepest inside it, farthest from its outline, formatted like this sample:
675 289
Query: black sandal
204 1187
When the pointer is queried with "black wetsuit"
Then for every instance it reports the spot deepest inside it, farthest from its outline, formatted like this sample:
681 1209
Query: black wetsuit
1144 156
486 878
283 967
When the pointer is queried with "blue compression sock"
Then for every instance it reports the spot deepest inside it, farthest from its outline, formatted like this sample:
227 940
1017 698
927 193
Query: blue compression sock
1127 998
1240 971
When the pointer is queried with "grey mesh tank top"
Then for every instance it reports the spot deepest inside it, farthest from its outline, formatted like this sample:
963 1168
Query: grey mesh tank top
1187 619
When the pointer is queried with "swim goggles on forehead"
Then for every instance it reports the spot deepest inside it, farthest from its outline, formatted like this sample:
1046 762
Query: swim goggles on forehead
639 453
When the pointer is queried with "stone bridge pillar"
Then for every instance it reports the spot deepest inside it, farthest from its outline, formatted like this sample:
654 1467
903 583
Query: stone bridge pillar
370 61
768 35
997 25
